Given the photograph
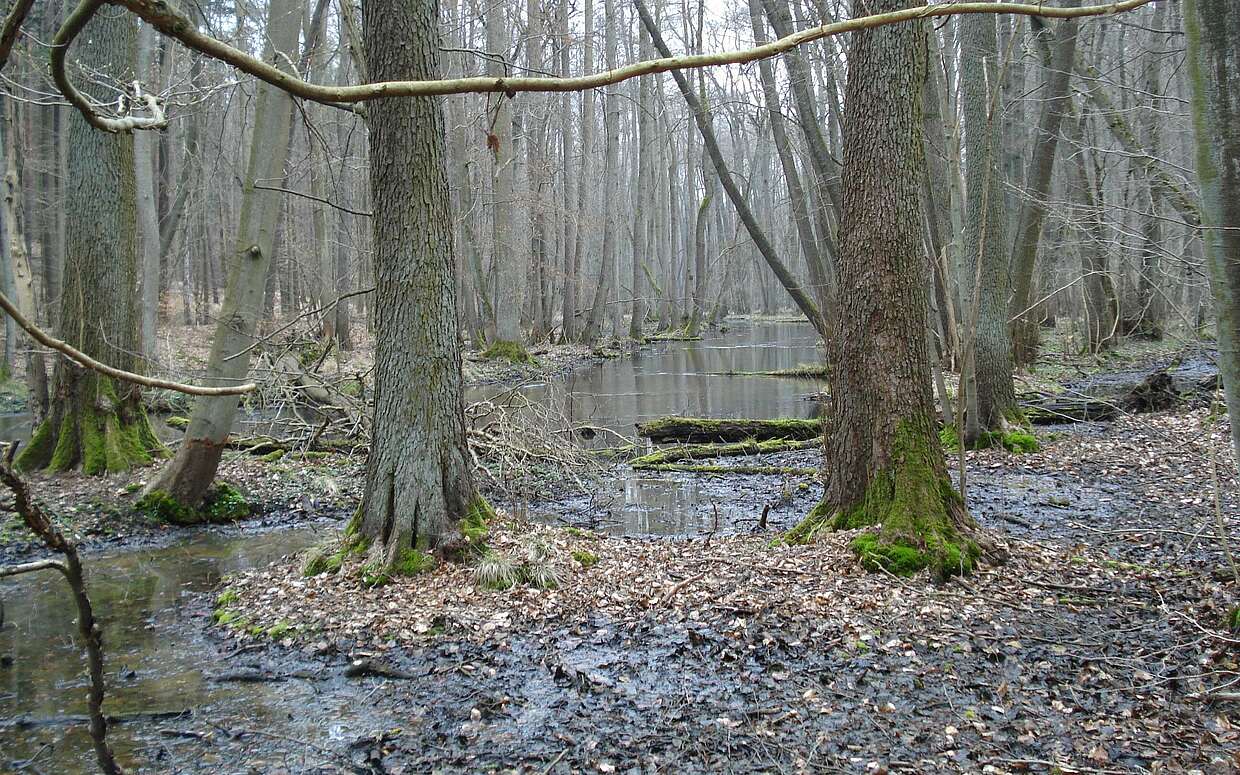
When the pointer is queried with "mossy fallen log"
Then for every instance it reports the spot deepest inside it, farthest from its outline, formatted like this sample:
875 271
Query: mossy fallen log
698 430
693 468
816 371
673 455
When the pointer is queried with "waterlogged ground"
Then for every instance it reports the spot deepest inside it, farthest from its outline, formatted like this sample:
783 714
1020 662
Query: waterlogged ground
1097 647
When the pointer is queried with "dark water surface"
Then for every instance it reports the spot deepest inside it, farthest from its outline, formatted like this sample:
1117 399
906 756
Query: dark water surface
151 602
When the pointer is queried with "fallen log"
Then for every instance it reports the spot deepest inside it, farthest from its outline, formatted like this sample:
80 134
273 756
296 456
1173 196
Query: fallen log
1106 396
673 455
698 430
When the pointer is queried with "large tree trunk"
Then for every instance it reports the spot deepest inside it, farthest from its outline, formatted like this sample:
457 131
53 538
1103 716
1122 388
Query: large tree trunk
1214 73
419 483
884 465
187 477
985 241
1055 103
95 420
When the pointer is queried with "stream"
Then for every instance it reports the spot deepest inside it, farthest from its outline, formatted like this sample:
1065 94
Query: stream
152 603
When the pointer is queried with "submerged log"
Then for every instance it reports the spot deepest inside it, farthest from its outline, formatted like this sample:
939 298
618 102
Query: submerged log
662 458
697 430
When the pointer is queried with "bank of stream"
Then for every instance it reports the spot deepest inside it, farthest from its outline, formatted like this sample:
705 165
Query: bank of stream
585 694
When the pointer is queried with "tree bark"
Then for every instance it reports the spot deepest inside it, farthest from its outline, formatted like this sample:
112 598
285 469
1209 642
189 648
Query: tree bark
419 483
94 420
186 478
1055 103
985 242
1214 75
884 464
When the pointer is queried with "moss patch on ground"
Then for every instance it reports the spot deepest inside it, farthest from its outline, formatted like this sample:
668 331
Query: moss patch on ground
223 503
514 352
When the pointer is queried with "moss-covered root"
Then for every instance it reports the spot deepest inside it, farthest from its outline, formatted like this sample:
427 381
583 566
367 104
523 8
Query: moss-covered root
1015 440
514 352
223 503
915 519
95 431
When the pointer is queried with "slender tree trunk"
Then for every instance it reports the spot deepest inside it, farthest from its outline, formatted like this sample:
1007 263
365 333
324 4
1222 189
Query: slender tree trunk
603 289
884 465
181 486
419 484
145 150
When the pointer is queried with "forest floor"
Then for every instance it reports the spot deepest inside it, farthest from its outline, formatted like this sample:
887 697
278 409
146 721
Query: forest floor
1100 646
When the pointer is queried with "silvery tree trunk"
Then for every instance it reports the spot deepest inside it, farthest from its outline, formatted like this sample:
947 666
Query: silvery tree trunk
1214 74
187 477
419 482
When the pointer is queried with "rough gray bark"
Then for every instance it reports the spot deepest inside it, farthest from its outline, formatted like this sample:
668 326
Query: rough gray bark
187 477
884 464
985 241
145 148
419 482
1214 75
94 420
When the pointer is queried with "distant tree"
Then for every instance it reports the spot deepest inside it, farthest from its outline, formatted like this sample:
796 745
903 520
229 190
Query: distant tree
94 420
884 463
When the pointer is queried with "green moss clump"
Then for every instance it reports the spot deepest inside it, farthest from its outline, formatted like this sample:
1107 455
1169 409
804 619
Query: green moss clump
412 562
587 558
1019 441
39 451
949 438
374 574
913 504
225 504
176 421
226 598
227 616
279 630
318 562
159 505
474 524
514 352
1233 621
272 456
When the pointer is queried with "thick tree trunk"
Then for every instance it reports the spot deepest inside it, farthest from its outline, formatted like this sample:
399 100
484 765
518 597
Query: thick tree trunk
419 483
1214 75
985 242
1055 103
186 479
884 465
94 420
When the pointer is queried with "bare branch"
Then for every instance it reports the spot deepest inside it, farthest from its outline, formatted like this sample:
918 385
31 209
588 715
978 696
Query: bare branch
74 354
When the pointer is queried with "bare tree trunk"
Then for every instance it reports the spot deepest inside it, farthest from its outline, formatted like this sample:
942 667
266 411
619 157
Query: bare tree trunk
145 149
182 484
1055 103
1214 75
419 483
884 465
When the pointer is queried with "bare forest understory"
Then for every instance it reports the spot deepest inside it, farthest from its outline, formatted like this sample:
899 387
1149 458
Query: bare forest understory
1100 646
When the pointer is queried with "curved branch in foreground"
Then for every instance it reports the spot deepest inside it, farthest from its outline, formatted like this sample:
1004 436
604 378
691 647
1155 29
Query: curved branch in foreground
74 354
171 22
72 26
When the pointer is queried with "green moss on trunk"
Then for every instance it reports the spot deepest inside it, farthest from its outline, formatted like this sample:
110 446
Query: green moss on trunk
914 512
223 503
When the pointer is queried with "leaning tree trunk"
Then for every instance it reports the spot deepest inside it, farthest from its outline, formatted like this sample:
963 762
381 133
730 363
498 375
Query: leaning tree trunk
419 482
985 240
1214 72
884 466
95 420
1055 98
180 487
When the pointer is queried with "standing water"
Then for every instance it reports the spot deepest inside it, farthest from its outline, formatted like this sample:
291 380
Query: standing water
161 662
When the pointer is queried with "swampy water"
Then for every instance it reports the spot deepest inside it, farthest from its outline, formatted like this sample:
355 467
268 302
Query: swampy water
153 602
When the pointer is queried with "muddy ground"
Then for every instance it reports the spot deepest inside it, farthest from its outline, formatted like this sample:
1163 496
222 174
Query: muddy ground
1098 646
